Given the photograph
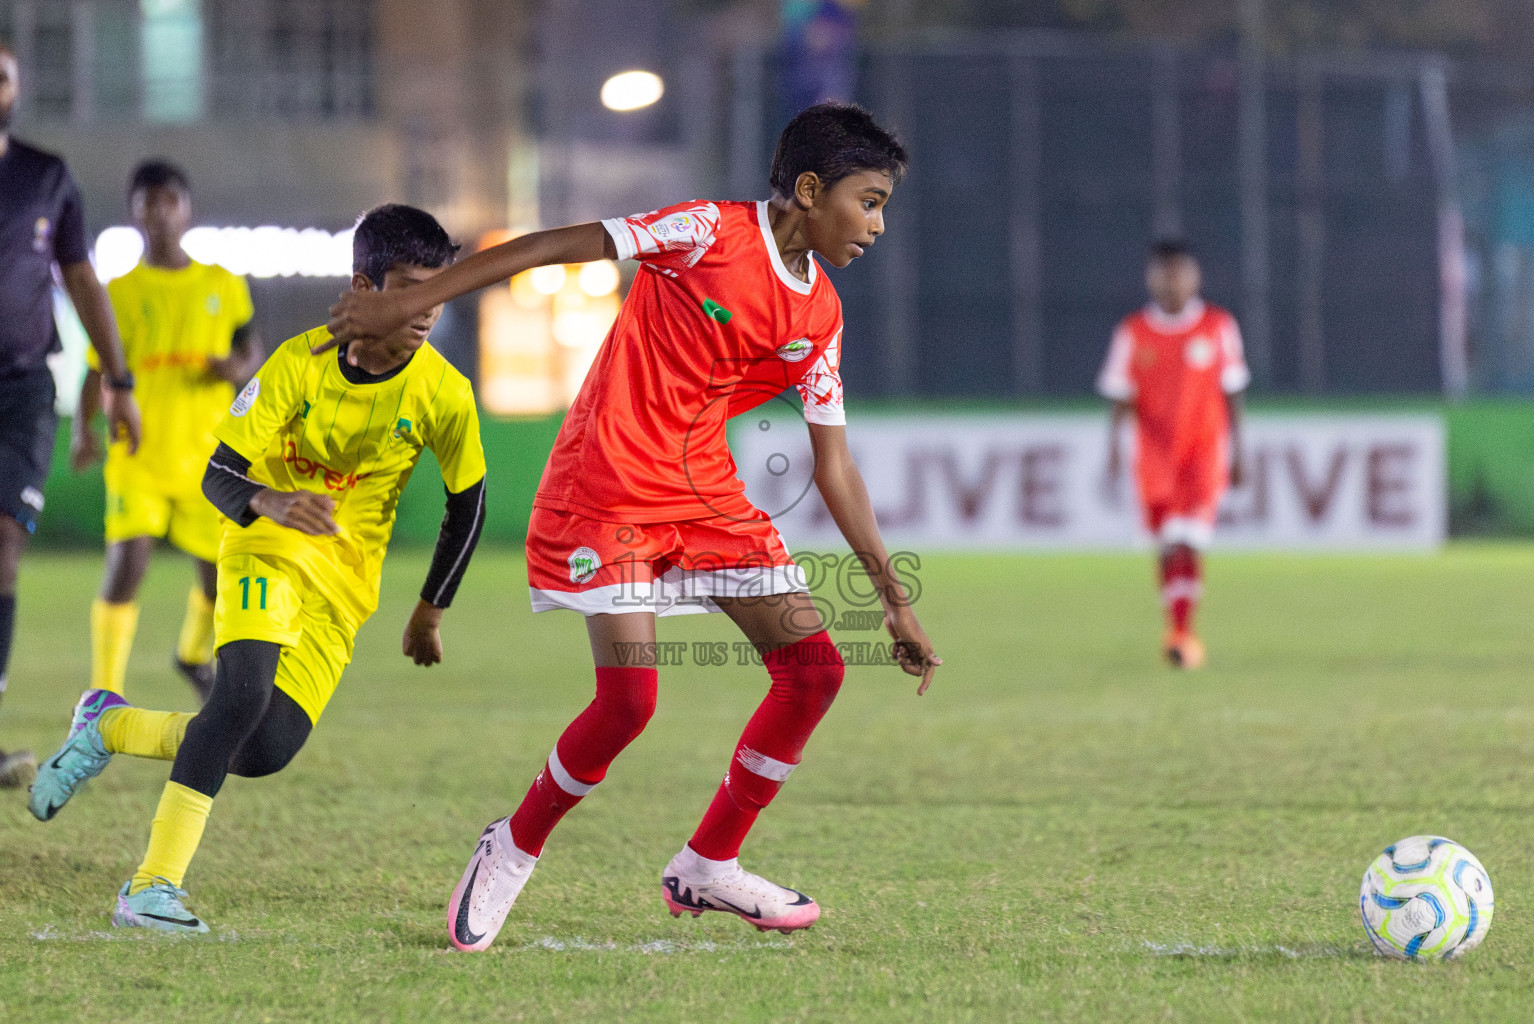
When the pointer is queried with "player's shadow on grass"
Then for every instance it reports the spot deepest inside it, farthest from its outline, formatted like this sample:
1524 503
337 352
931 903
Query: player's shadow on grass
1256 953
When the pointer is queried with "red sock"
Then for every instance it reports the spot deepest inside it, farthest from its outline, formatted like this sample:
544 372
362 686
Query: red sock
805 679
1181 585
624 702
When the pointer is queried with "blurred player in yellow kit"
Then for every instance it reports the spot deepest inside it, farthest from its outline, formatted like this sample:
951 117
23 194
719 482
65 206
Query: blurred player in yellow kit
311 460
189 341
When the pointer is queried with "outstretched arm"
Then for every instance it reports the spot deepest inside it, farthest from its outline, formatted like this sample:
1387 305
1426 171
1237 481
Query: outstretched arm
360 316
841 485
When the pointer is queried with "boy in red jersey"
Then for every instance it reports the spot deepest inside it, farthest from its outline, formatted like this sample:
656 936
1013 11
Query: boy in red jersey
1176 366
640 512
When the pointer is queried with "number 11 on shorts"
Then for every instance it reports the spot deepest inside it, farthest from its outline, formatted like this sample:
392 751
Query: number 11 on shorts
245 593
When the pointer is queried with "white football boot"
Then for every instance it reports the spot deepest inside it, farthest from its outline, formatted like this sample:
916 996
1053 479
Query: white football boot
489 886
694 884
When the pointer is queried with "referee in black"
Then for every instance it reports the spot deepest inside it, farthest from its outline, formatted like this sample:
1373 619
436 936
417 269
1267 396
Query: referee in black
42 225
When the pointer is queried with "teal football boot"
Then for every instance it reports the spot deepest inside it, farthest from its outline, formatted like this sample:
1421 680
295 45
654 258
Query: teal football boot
158 907
82 756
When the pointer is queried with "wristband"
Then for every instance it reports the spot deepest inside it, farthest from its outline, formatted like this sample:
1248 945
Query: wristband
123 383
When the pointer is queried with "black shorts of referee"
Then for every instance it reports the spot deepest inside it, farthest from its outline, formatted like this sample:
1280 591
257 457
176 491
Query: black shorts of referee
28 426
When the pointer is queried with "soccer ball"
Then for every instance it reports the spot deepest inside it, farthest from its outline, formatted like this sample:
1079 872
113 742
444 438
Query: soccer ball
1425 898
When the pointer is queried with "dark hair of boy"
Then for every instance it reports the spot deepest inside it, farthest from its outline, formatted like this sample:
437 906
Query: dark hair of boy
834 140
1166 249
394 234
158 174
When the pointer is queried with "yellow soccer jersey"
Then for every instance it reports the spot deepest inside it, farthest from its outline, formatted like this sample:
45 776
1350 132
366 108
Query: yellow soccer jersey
172 322
303 426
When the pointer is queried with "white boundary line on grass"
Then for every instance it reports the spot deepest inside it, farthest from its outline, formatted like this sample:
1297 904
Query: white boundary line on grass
580 945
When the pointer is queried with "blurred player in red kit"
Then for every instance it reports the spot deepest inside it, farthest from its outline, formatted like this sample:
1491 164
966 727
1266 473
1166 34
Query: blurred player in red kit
1177 367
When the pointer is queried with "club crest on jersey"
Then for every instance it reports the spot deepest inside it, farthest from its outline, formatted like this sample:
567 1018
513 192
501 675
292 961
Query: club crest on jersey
795 351
247 398
584 564
40 234
402 427
1199 353
213 305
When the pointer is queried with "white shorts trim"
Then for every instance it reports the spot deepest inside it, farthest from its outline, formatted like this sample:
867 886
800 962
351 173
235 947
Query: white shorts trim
1195 533
1185 589
564 780
676 592
766 767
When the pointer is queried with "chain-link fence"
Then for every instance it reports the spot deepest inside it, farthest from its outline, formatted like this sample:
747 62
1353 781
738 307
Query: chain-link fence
1328 211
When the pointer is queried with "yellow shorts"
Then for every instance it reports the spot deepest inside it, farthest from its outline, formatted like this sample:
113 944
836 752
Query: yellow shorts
187 519
266 597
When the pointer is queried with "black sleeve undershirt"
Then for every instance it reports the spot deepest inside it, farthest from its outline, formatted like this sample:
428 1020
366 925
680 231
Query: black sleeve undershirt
455 544
227 486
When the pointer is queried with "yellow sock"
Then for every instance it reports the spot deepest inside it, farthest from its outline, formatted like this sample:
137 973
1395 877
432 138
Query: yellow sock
143 733
112 629
196 644
173 838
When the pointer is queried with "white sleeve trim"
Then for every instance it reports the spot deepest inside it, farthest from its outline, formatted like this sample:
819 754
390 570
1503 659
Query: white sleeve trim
623 238
1235 376
825 415
1113 381
821 388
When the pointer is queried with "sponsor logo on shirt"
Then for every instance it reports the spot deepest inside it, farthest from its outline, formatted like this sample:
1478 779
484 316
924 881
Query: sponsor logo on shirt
795 351
170 360
335 480
247 398
1199 353
584 564
40 234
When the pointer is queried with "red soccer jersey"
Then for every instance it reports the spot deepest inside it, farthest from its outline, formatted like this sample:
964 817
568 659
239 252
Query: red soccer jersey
1176 371
713 325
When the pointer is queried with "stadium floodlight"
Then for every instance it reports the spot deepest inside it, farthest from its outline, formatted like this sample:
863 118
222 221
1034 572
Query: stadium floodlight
265 251
547 280
632 90
118 250
599 278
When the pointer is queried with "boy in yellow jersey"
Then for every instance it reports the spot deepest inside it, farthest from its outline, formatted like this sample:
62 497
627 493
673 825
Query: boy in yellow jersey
311 461
189 341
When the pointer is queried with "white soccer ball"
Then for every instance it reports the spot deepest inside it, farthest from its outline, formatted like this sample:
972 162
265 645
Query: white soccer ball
1426 898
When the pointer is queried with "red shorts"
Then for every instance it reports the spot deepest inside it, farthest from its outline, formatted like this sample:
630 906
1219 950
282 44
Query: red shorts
1180 500
598 568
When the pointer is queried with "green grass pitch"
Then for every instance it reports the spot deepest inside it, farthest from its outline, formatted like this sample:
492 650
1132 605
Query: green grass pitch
1061 830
